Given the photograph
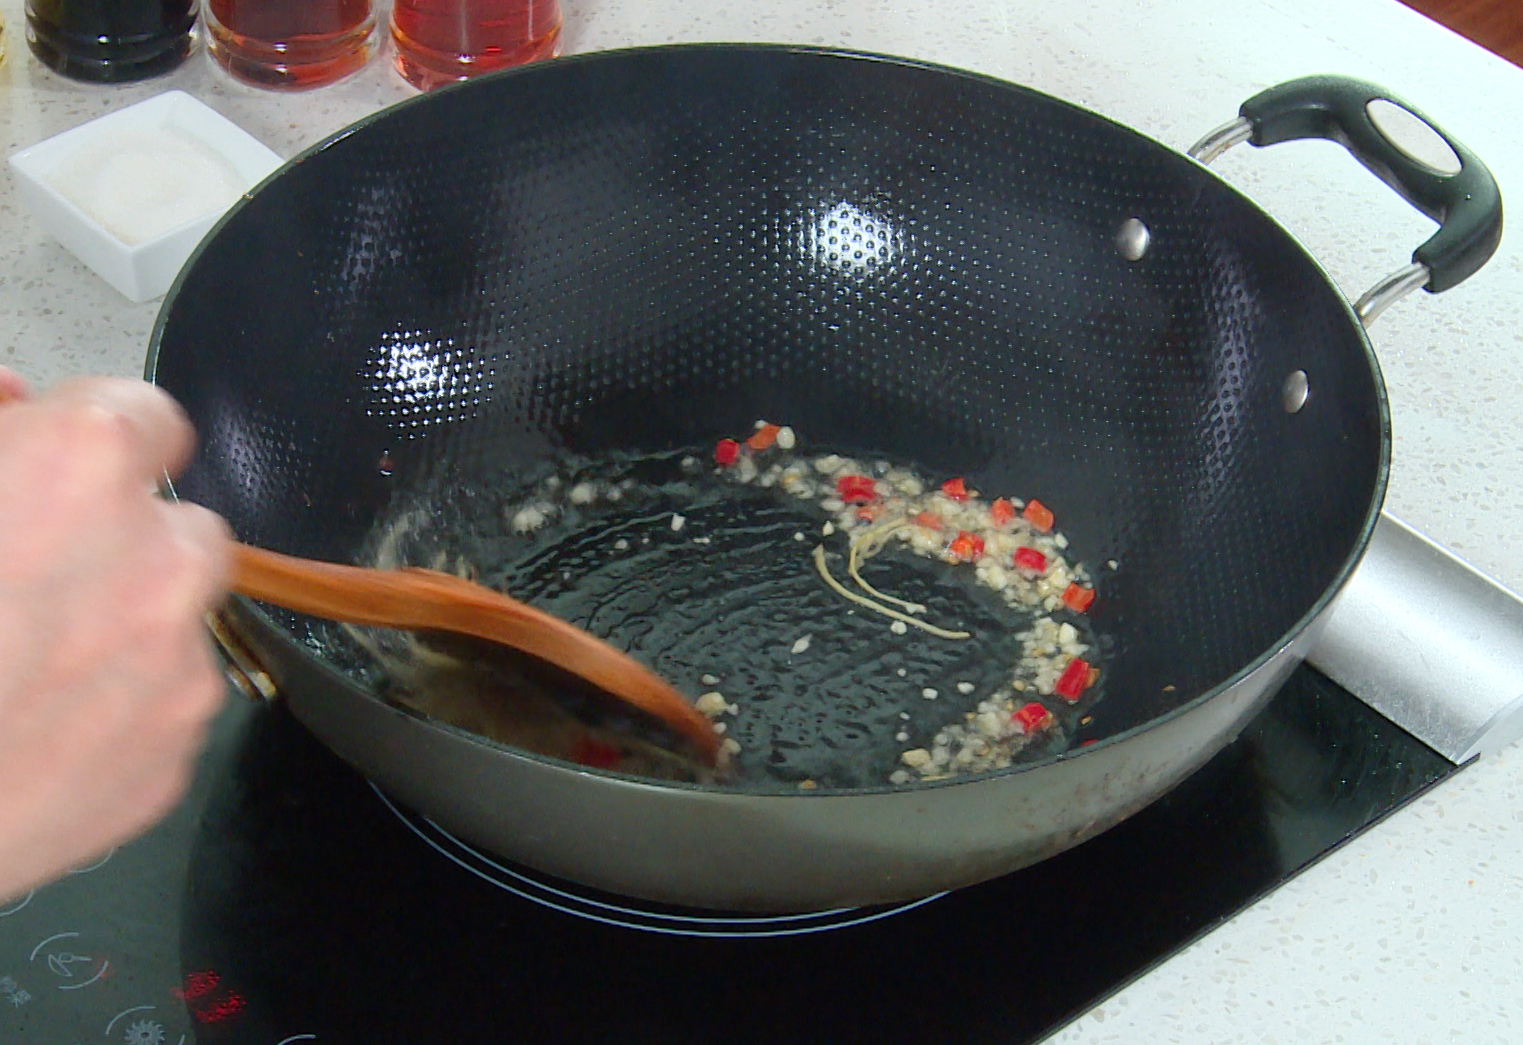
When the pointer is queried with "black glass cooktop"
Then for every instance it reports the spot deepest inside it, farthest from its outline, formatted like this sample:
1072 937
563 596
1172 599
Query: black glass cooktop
288 901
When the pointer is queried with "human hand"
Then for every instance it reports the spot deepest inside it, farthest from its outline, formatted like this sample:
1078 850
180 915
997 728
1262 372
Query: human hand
107 684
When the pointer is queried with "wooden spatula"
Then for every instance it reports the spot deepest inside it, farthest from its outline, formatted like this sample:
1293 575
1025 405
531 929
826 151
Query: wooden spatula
427 600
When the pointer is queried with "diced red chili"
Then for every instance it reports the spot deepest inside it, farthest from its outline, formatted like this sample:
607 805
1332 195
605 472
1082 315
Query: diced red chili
1077 597
1032 717
764 437
589 752
870 512
1037 515
1030 559
955 489
1074 680
930 520
967 546
1002 511
727 452
856 489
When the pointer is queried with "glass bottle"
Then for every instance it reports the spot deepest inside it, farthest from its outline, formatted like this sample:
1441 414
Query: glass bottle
291 44
441 41
110 41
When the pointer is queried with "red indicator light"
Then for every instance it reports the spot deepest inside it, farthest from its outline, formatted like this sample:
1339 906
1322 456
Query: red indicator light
229 1006
196 985
200 989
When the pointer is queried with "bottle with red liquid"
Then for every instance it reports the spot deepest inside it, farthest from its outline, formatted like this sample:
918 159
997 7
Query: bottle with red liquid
441 41
291 44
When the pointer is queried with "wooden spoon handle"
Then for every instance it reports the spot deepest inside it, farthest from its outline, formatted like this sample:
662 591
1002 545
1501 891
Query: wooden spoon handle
428 600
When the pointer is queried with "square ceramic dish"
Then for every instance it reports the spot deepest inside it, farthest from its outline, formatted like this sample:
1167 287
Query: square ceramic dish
132 193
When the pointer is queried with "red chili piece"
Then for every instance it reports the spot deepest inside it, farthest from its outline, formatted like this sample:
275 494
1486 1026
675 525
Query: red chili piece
727 452
1038 515
1002 511
1074 680
1078 598
595 753
1032 717
764 437
955 489
929 520
856 489
1030 559
967 547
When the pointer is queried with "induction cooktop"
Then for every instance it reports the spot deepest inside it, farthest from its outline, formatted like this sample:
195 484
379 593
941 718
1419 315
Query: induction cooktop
289 900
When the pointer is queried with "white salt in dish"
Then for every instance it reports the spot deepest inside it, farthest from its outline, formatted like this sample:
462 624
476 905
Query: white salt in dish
132 193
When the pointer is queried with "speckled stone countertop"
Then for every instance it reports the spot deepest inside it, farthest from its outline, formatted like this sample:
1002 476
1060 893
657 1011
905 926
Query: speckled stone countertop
1412 932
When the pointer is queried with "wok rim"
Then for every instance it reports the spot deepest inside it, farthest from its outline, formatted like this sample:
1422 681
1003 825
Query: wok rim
1274 650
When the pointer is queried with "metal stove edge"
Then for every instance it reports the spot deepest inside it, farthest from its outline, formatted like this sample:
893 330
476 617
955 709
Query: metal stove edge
1429 642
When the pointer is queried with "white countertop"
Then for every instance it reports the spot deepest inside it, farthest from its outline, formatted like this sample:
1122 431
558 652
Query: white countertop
1412 932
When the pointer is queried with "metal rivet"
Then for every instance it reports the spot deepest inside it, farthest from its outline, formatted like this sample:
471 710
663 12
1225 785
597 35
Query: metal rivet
1132 239
1294 392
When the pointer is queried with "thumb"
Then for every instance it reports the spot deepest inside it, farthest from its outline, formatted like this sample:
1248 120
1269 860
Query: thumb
12 386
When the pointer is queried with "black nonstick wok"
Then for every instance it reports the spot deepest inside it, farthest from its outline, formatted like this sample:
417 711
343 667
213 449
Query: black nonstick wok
641 251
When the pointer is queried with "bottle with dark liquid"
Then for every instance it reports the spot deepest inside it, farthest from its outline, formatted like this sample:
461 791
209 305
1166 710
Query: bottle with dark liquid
110 41
441 41
291 44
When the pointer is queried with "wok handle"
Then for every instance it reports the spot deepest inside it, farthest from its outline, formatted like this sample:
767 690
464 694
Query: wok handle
1456 190
1466 203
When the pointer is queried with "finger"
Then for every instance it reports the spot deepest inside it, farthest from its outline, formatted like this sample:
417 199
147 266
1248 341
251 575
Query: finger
207 541
12 386
186 707
163 436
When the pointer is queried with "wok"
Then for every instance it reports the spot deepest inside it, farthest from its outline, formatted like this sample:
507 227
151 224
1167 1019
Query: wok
641 250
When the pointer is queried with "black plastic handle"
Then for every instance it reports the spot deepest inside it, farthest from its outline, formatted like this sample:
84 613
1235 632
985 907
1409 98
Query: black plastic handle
1467 205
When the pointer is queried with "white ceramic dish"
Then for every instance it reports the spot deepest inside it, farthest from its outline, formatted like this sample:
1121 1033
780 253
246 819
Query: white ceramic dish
132 193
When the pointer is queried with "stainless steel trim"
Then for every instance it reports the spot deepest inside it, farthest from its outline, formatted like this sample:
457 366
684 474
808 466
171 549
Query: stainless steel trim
1391 290
1430 643
1221 139
1413 137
